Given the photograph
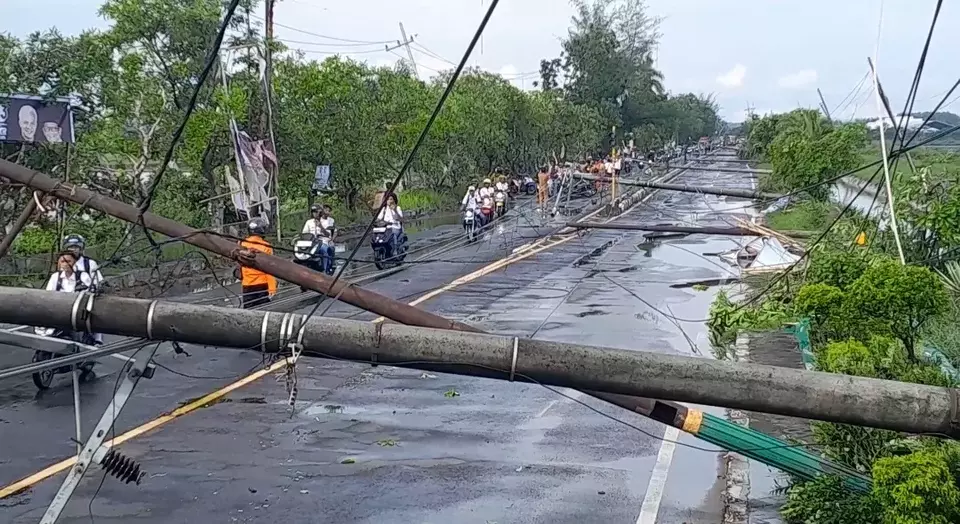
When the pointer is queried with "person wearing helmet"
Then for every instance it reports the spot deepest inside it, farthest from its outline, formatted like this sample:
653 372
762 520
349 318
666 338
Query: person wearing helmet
256 286
87 269
85 265
471 201
486 190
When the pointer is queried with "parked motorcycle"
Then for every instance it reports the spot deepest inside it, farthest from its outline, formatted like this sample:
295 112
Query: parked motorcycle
43 379
500 204
529 186
470 225
389 249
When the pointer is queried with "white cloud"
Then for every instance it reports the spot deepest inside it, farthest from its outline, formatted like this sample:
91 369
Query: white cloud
733 77
800 79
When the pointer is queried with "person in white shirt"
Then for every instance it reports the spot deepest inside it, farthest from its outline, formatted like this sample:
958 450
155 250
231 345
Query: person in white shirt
470 200
392 214
87 268
485 189
322 225
66 279
85 265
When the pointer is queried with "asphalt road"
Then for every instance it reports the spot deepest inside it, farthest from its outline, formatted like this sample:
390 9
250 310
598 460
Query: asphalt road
385 445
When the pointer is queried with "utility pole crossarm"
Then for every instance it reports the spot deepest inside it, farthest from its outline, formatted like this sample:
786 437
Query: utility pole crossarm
829 397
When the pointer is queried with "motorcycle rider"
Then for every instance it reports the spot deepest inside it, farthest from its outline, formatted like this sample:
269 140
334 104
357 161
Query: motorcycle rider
67 278
85 265
322 227
471 201
485 189
256 286
76 245
393 216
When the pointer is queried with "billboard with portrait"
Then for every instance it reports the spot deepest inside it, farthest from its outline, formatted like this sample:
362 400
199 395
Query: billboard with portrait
36 120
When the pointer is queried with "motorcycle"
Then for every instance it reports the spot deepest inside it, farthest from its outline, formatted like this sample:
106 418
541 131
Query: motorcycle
43 379
306 252
470 225
389 249
529 186
486 209
500 201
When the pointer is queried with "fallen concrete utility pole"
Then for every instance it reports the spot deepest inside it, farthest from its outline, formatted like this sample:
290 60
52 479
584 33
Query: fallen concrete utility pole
729 170
742 193
705 230
829 397
283 269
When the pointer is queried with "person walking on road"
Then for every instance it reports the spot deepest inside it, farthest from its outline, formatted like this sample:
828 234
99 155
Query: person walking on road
543 179
256 286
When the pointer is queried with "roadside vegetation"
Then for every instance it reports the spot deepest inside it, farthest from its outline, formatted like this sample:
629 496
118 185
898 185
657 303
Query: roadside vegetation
133 81
869 314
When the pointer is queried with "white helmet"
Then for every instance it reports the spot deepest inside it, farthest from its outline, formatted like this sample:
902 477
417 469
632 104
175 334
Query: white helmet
472 188
486 180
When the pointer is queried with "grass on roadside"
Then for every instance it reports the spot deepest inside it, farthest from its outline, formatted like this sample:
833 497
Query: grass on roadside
809 215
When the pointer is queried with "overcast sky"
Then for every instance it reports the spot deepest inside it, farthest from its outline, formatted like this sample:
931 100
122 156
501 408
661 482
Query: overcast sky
767 54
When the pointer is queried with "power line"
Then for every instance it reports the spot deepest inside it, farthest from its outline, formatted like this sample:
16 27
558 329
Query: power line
328 37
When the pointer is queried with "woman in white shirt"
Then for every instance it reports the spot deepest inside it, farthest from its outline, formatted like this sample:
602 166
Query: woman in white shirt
392 214
66 279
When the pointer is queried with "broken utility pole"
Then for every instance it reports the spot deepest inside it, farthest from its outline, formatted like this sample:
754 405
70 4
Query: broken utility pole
281 268
814 395
705 230
742 193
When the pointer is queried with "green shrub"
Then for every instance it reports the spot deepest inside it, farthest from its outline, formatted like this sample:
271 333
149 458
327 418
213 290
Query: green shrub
818 301
901 298
916 489
826 501
836 268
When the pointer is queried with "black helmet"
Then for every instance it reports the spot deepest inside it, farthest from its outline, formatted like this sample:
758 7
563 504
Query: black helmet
498 170
74 241
257 226
314 208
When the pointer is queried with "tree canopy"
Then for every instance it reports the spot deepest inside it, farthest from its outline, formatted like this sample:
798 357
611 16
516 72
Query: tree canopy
132 81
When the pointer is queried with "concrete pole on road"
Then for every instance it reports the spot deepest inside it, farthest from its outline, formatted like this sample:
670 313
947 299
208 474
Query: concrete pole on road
281 268
742 193
829 397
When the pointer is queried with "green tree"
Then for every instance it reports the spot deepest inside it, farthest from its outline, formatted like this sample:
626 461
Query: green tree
902 297
916 489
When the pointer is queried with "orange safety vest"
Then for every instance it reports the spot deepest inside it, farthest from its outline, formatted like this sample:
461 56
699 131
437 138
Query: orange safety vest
254 277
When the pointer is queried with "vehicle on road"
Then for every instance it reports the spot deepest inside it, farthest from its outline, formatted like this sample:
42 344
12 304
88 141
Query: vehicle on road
389 245
500 202
84 342
470 225
307 252
486 209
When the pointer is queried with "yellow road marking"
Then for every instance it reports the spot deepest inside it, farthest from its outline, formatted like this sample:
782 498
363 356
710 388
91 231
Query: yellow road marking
522 253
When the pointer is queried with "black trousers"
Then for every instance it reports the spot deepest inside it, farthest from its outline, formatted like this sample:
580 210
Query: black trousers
254 296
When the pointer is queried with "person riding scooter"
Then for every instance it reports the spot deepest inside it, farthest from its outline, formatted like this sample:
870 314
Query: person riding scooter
393 216
322 227
486 190
85 266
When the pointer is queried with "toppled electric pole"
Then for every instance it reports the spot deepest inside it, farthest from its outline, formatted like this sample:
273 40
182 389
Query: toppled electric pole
278 267
670 228
829 397
742 193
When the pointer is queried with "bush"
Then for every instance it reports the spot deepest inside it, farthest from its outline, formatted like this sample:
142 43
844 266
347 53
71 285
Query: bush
818 301
826 501
836 268
899 297
916 489
849 358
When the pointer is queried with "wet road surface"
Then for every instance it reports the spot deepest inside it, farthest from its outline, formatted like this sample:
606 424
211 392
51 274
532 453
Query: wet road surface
387 445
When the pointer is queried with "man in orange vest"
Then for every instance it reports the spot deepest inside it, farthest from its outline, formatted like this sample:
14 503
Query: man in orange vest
256 286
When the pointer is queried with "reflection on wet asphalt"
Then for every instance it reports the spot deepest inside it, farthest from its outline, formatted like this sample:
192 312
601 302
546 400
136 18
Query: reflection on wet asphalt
385 445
